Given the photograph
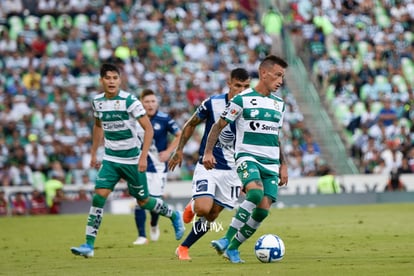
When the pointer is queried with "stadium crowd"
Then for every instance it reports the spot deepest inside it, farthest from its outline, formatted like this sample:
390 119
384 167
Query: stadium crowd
361 57
50 53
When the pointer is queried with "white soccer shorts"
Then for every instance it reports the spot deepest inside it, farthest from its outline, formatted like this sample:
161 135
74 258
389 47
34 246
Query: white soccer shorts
223 186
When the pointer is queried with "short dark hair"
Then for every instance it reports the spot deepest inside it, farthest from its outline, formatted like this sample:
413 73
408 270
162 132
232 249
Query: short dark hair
271 60
239 74
146 92
108 67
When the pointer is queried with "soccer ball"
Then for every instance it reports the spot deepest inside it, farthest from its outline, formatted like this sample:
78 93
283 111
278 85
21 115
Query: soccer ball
269 248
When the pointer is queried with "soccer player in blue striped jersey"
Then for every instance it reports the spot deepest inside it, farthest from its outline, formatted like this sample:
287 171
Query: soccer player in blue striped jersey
212 191
116 114
258 117
161 148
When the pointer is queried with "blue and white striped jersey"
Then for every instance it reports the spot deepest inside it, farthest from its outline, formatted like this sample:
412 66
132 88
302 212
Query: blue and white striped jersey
210 111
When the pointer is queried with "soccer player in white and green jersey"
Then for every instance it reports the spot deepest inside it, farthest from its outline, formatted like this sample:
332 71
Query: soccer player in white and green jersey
116 114
258 116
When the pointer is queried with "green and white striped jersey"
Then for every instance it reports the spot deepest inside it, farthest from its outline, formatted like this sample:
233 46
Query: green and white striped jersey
119 123
258 120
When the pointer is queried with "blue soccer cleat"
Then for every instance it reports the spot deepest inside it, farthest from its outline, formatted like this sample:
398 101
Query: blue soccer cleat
84 250
220 245
233 256
178 225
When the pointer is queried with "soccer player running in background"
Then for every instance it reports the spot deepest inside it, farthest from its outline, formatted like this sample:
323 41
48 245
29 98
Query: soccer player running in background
214 190
258 116
116 114
158 155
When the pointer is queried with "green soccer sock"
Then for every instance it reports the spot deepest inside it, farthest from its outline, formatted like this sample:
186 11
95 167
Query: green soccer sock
249 228
240 218
94 218
157 205
253 197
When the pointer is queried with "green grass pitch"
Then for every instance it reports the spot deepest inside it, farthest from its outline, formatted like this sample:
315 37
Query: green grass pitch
347 240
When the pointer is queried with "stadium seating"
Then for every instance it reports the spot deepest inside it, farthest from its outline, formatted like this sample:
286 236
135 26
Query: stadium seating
64 18
80 19
44 21
16 25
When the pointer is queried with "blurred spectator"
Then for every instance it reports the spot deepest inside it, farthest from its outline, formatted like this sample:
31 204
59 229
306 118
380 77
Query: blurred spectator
294 159
328 184
195 94
5 179
272 21
19 206
310 161
196 50
21 174
368 117
405 166
392 156
57 200
37 204
394 183
380 167
308 140
387 114
4 205
36 157
316 48
359 139
82 196
51 186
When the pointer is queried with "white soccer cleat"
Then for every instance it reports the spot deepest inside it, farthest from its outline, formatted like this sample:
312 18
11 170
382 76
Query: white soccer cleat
154 233
140 241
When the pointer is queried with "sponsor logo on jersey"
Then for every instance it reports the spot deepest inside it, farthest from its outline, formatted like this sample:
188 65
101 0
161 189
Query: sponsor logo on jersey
113 125
254 113
256 125
156 126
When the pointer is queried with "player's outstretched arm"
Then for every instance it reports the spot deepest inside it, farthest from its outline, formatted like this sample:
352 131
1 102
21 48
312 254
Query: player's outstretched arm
145 123
209 161
97 138
187 132
283 172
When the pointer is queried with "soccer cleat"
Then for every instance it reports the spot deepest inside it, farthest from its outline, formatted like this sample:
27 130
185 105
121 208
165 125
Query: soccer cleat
154 233
178 224
233 256
188 214
140 241
84 250
182 253
220 245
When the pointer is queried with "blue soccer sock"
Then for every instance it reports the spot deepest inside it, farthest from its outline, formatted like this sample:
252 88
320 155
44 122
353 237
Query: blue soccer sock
140 219
199 229
154 219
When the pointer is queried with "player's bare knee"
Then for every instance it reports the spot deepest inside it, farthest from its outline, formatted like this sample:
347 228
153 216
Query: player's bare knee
212 216
214 212
201 211
142 202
